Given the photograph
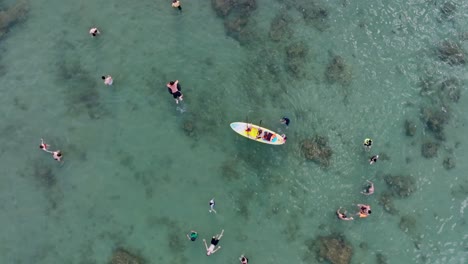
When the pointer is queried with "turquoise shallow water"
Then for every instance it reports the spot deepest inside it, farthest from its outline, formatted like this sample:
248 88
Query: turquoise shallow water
139 170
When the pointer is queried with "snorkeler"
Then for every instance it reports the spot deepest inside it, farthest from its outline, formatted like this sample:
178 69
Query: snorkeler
107 80
174 88
193 235
285 121
214 242
367 144
44 146
373 159
369 189
343 216
364 210
212 205
243 259
94 32
176 4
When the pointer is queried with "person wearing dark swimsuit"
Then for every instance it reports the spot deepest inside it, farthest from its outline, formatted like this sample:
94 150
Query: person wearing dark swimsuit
174 88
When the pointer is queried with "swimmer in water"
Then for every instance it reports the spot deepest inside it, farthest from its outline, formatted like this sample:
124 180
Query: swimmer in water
369 189
364 210
214 242
193 235
176 4
212 205
343 216
57 155
243 259
94 32
44 146
107 80
284 137
174 88
367 144
285 121
373 159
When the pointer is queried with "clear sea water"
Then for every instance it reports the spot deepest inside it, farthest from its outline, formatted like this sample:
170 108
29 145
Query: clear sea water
139 170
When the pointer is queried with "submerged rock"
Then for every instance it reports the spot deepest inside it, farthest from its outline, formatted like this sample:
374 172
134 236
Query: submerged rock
381 259
400 186
12 15
338 72
407 224
317 150
449 163
314 14
296 58
334 249
435 121
121 256
385 199
451 89
279 27
410 128
451 52
236 14
448 9
429 149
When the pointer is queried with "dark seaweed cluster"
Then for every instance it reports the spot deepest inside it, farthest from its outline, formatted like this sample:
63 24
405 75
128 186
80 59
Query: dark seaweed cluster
399 187
236 15
122 256
317 150
334 249
451 52
279 27
296 58
13 15
429 149
338 71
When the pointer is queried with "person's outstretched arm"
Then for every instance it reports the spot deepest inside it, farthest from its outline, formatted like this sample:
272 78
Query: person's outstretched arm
216 249
206 246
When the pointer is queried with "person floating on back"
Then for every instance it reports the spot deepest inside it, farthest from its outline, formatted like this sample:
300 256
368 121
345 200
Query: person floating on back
193 235
107 80
57 155
174 88
343 216
212 205
94 32
373 159
367 144
243 259
176 4
369 189
214 242
285 121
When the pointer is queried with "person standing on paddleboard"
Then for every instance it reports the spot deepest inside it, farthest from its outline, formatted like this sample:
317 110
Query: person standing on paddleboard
174 88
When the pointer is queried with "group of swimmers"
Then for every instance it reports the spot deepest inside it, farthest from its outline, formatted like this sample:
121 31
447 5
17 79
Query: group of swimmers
57 154
193 235
364 209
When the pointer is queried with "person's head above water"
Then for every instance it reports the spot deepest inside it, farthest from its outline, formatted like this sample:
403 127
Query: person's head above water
103 77
369 211
171 82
